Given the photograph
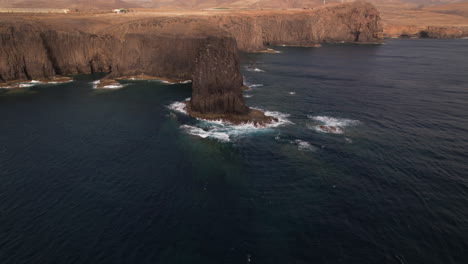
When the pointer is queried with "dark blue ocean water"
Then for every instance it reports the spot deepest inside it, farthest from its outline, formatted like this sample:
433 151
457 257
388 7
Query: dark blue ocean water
116 177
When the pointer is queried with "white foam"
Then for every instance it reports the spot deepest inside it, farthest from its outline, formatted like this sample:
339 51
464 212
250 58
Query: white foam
224 130
332 125
251 85
59 82
110 87
273 51
179 106
281 117
26 85
253 69
196 131
168 82
304 145
96 83
247 95
113 86
292 93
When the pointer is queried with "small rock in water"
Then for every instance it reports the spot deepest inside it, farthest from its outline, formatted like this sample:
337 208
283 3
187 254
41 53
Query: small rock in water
330 129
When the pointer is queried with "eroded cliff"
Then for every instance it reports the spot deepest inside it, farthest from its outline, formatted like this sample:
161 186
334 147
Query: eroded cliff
201 48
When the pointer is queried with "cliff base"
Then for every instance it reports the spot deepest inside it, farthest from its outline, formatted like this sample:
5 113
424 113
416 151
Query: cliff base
254 116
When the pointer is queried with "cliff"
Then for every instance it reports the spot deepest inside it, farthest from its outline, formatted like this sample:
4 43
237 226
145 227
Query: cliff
413 31
201 48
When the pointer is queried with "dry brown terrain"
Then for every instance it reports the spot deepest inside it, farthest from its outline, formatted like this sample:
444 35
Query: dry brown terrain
412 18
439 20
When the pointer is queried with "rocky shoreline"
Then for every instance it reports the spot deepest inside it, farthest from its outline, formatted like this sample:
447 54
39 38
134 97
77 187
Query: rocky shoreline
203 49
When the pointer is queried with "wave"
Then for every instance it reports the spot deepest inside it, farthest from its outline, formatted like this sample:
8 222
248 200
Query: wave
247 95
168 82
304 145
26 85
292 93
223 130
332 125
59 82
253 69
32 83
179 107
196 131
29 84
251 85
110 87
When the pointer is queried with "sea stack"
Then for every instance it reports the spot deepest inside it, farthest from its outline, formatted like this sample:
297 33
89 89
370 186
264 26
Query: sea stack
203 49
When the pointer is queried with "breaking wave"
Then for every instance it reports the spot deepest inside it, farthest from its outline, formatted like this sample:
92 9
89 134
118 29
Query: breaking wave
196 131
253 69
33 83
223 130
168 82
179 106
110 87
251 85
332 125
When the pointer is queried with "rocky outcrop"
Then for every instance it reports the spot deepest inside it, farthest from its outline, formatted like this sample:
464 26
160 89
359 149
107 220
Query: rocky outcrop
203 49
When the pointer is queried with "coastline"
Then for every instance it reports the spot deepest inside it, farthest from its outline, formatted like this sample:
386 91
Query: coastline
19 84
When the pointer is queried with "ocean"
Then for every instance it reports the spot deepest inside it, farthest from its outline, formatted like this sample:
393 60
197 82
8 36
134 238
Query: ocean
368 163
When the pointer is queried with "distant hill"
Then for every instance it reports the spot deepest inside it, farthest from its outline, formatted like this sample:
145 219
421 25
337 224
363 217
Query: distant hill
460 9
277 4
70 4
440 6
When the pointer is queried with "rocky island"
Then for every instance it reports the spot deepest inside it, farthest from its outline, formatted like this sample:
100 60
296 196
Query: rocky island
198 46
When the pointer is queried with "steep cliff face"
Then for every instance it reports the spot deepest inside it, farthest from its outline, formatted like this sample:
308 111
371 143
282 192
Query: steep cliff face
180 49
203 49
357 22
